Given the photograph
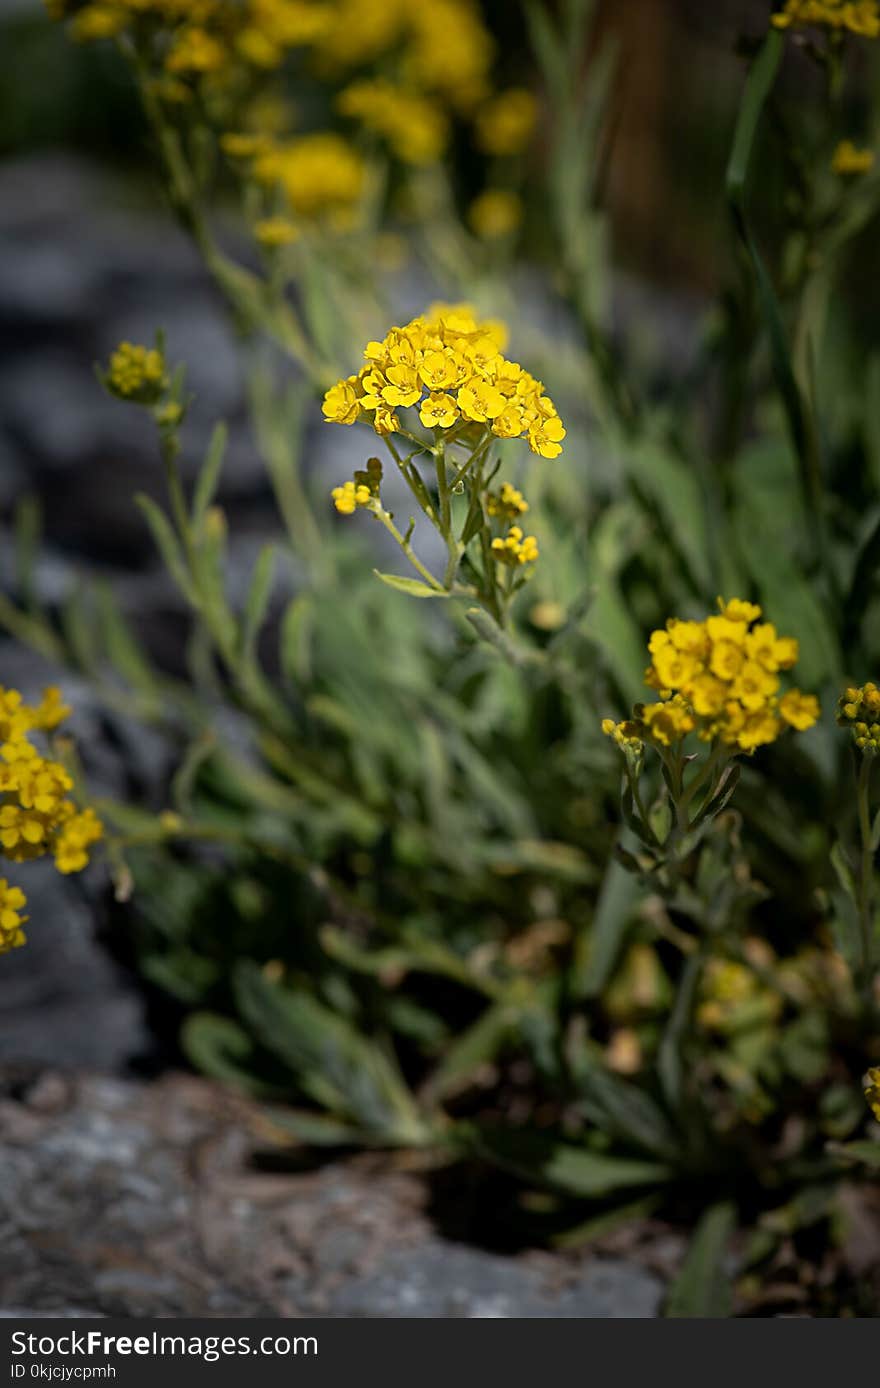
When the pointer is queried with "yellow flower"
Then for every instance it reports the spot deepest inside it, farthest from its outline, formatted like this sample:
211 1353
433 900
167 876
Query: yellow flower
506 123
849 161
195 51
322 176
545 437
495 213
725 674
415 127
274 232
799 710
754 685
71 847
98 22
479 400
37 816
668 722
12 904
627 734
860 17
516 548
858 709
674 668
438 412
137 373
448 350
349 496
508 503
341 404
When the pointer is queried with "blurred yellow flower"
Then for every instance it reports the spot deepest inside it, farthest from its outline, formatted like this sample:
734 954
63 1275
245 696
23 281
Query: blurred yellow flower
849 161
495 213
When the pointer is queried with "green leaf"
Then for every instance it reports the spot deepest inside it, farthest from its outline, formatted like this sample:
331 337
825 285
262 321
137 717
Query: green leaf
840 863
673 488
599 951
168 546
124 650
702 1288
296 633
413 586
257 602
220 1048
865 1153
209 475
336 1066
539 1157
758 87
477 1045
623 1110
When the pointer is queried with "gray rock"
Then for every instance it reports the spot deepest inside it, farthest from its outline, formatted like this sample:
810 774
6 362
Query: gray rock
127 1199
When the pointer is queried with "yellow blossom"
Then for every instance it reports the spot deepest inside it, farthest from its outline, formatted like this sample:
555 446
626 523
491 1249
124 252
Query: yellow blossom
720 679
12 904
507 503
438 411
860 17
506 122
516 548
495 213
137 373
275 232
858 709
349 496
849 161
447 351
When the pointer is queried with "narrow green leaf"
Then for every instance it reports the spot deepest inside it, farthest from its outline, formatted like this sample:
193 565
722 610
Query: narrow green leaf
257 602
622 1109
539 1157
758 88
334 1064
168 546
413 586
840 863
599 951
702 1288
209 475
865 1152
295 640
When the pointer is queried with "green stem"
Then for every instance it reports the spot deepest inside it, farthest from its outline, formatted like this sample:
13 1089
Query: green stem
382 515
866 874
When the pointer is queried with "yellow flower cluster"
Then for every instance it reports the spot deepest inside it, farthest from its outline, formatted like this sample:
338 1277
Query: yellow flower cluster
136 373
12 921
872 1091
849 161
858 16
321 176
37 816
451 367
415 127
719 678
859 710
414 66
508 503
516 548
349 496
360 490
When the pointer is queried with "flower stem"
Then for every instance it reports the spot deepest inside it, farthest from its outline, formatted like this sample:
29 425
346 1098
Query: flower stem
866 874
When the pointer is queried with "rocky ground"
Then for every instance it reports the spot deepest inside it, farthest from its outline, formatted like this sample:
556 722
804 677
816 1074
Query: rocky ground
128 1199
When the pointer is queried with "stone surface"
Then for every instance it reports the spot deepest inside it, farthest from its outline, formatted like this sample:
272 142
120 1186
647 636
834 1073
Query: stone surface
144 1200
